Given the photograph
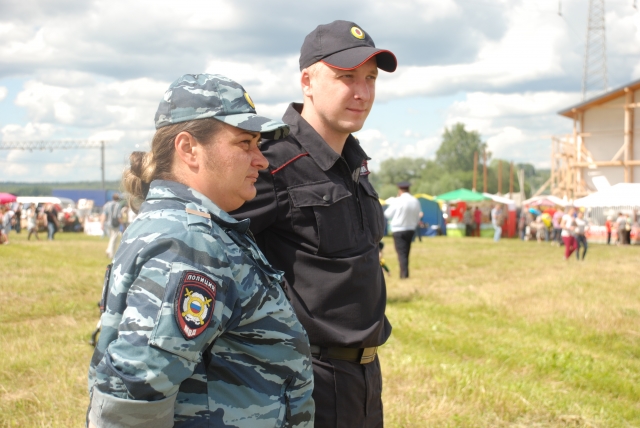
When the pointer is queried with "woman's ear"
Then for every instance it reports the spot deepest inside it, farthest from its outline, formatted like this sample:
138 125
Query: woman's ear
187 150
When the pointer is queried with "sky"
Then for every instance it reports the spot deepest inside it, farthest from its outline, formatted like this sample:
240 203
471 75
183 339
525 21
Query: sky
96 70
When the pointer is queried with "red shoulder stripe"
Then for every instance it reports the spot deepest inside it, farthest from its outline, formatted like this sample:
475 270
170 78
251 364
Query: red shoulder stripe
288 162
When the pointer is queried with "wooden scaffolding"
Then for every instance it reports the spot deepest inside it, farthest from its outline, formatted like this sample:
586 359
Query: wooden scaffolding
571 159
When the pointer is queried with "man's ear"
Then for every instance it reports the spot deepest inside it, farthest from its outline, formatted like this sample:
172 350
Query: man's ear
305 83
187 149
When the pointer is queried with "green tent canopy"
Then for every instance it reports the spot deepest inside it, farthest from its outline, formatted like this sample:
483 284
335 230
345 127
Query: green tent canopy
464 195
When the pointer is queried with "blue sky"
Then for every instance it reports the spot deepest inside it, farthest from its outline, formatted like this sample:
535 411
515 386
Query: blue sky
82 69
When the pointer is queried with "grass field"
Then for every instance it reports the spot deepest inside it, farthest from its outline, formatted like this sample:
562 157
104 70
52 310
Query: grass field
485 335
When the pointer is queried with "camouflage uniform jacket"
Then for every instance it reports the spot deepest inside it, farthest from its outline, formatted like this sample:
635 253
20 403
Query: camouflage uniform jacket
196 331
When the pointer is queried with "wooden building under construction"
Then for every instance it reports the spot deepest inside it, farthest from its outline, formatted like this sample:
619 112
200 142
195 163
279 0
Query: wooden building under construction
604 147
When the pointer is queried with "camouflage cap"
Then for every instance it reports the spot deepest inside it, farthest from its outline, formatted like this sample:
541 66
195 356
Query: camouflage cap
200 96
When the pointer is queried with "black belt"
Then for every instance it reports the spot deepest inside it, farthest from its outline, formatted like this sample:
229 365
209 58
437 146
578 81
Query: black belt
355 355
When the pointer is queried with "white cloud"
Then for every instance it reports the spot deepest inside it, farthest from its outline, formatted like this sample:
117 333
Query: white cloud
275 80
529 51
379 147
122 104
411 134
515 126
98 69
30 131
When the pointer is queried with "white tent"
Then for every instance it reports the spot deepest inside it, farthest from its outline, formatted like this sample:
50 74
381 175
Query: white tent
619 195
511 204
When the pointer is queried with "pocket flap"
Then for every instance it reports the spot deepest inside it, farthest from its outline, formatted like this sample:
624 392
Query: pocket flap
321 193
368 189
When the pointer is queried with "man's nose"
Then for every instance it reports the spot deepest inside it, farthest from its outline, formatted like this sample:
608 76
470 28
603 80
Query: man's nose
362 90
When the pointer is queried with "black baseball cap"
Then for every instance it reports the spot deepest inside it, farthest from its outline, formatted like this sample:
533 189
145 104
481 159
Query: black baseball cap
403 185
343 45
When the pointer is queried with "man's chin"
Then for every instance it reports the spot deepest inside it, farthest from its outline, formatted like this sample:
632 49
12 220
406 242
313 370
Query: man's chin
352 127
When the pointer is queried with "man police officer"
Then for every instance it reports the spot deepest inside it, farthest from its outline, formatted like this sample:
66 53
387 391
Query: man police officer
317 217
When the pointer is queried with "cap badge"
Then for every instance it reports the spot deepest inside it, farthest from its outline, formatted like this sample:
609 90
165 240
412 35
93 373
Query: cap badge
249 100
357 33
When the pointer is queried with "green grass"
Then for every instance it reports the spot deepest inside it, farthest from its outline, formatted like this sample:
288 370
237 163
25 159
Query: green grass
484 334
509 334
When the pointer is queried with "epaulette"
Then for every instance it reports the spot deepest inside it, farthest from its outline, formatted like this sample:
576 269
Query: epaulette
197 217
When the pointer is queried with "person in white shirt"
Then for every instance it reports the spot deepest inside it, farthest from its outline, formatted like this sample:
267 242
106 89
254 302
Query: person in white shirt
496 220
404 214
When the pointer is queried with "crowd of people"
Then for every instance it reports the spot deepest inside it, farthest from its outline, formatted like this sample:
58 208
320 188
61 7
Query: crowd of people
568 227
37 219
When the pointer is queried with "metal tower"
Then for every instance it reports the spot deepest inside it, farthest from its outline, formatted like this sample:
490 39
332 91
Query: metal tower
59 144
594 75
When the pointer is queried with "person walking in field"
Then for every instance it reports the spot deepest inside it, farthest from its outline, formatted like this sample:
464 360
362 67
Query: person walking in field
568 224
608 227
557 229
7 217
404 214
4 237
627 228
52 221
32 222
496 220
621 223
18 217
111 223
477 219
467 219
580 229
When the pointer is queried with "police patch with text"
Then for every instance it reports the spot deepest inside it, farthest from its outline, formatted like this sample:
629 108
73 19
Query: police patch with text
194 303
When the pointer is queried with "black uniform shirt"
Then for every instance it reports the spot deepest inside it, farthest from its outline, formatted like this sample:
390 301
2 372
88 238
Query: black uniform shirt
317 218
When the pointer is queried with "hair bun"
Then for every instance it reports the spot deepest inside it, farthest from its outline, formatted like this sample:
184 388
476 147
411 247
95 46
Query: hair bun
136 159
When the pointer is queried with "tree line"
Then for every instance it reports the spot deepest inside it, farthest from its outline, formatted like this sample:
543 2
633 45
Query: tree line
452 169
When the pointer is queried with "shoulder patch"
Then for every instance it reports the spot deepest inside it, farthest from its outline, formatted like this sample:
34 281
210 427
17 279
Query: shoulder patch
196 296
364 169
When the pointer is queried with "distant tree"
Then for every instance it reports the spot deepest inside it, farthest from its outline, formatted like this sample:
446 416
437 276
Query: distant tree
458 147
395 170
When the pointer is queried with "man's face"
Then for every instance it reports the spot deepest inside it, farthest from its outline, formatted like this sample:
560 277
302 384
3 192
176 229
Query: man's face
342 99
231 165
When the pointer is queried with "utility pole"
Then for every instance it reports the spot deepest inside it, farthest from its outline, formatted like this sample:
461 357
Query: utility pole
594 72
57 145
484 171
475 170
500 177
511 181
102 161
521 184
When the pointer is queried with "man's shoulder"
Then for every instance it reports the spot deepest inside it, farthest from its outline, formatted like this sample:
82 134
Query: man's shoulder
279 151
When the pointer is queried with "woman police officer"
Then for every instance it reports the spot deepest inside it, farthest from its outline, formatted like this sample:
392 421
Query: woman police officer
196 330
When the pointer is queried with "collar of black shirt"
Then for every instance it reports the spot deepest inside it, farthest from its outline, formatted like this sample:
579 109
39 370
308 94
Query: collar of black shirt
315 145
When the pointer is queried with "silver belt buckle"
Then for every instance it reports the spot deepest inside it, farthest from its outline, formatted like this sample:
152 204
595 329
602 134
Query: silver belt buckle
368 355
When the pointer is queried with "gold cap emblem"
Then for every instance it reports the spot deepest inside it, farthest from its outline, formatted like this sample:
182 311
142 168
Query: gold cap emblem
249 100
357 33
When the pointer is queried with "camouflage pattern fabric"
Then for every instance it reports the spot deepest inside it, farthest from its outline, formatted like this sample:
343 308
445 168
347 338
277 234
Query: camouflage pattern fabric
199 96
250 367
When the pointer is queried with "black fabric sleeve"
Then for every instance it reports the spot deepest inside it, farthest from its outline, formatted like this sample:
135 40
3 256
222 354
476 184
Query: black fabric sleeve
263 209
